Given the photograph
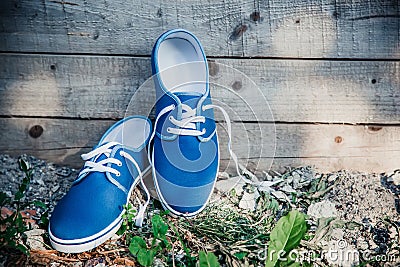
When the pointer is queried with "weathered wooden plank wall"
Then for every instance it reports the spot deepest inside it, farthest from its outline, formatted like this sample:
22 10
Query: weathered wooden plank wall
271 28
330 71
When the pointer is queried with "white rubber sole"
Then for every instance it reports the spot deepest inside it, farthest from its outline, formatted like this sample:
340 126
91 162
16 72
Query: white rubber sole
93 241
85 246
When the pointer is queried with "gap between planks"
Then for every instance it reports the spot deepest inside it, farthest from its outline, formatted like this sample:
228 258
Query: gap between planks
326 146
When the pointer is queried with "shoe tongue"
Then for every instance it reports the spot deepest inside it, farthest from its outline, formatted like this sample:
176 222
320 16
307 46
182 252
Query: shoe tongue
191 99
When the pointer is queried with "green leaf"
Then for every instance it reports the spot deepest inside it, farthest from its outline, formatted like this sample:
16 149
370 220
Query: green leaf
39 204
137 243
22 188
18 196
4 199
322 186
22 248
160 228
44 219
190 260
146 257
241 255
23 165
291 264
208 260
122 229
9 233
130 213
285 236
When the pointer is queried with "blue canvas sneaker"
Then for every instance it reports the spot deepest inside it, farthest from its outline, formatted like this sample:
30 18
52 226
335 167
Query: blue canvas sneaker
91 212
185 155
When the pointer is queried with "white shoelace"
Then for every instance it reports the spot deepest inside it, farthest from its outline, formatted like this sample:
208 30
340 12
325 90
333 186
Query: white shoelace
101 166
187 126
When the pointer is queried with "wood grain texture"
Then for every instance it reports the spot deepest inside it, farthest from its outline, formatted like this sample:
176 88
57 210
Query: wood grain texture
272 28
328 147
295 90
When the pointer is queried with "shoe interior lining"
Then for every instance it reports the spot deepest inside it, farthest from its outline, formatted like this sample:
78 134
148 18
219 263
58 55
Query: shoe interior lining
173 52
132 133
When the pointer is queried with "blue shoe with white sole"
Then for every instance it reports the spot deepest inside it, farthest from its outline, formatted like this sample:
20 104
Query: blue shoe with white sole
185 153
91 212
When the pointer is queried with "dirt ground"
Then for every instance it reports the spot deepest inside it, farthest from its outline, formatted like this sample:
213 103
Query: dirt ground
351 213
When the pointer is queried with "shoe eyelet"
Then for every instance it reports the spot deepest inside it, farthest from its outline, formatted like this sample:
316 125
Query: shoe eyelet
169 130
170 118
118 174
119 164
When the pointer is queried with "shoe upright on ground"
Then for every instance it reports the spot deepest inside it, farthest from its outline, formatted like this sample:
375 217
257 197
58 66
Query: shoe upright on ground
91 212
185 153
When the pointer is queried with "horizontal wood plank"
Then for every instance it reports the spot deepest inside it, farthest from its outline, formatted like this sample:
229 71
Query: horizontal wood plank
259 146
295 90
272 28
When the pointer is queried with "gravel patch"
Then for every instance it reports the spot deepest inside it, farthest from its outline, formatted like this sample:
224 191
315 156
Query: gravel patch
362 197
360 209
49 182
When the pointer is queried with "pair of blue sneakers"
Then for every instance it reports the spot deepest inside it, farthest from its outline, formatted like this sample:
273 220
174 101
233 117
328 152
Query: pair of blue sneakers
184 160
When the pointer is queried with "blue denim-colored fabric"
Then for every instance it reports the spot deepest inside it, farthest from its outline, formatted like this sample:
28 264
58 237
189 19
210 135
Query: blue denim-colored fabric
184 197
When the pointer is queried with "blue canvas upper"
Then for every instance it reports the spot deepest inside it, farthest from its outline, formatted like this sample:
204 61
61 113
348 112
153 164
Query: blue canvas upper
96 199
185 166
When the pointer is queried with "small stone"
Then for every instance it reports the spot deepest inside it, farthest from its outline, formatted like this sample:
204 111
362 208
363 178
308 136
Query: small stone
158 263
35 240
227 185
55 188
95 262
392 233
332 178
289 180
65 172
362 244
280 196
223 175
249 201
337 234
267 176
287 189
296 176
396 178
266 186
372 245
323 209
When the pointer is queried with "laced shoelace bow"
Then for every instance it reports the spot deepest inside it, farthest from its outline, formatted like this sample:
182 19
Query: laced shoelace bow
92 165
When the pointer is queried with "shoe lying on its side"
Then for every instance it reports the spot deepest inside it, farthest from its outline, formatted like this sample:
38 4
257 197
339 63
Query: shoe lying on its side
91 212
185 153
